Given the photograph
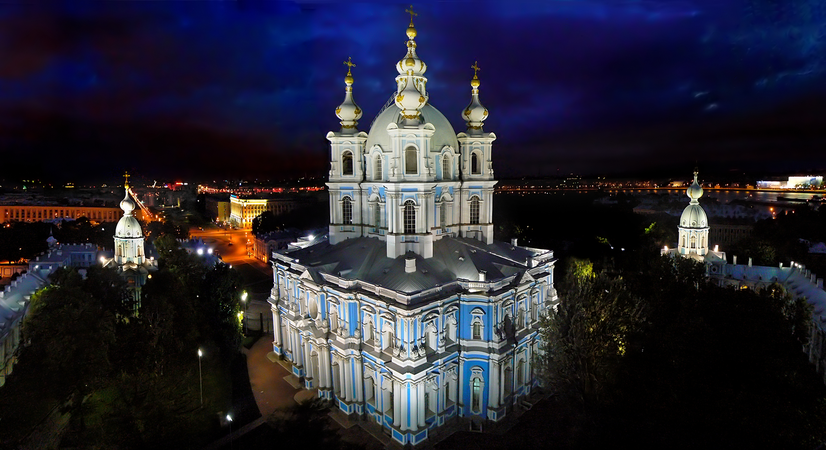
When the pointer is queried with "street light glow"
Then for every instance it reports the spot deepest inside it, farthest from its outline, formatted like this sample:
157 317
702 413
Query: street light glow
200 353
229 418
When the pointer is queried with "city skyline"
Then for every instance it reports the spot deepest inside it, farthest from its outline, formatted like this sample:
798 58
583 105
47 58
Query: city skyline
248 89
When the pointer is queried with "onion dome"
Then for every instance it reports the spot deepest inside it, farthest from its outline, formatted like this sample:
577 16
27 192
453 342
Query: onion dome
411 94
128 226
694 216
411 64
348 111
695 191
475 113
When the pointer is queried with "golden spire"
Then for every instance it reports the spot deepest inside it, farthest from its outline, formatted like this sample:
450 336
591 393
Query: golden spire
475 81
126 178
350 64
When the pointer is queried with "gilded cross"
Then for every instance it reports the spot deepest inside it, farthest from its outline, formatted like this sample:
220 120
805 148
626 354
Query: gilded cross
126 177
411 14
475 68
349 64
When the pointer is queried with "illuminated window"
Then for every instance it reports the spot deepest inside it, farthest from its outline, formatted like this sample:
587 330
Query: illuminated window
409 217
446 167
347 163
477 329
475 164
377 169
411 166
474 210
347 211
476 396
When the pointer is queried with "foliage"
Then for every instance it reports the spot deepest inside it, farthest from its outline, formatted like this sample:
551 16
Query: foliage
707 367
19 240
587 336
306 425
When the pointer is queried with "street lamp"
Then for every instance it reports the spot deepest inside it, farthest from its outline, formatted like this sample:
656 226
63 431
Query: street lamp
200 377
244 301
229 419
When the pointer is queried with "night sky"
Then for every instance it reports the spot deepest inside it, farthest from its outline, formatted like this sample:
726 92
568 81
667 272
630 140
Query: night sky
204 90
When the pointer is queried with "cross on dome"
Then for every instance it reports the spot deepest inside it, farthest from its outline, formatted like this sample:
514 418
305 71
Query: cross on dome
475 68
412 13
126 178
350 64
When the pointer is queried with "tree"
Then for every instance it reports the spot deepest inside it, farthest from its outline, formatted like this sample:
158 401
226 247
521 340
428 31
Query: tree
70 334
588 335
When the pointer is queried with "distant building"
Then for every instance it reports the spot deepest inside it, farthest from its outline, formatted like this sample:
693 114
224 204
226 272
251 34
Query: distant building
27 213
244 209
217 206
794 182
729 233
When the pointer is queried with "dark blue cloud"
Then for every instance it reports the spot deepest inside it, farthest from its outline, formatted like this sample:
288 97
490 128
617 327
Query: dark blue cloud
579 85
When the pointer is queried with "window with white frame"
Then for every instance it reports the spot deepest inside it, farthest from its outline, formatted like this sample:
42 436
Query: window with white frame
411 161
377 168
477 387
446 175
347 211
377 216
443 214
475 164
409 217
474 210
347 163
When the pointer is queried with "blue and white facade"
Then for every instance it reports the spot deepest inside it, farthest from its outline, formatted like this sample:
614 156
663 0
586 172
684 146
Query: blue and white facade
410 314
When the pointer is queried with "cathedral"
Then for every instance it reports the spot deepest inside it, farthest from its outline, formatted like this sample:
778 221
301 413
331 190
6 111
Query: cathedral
409 315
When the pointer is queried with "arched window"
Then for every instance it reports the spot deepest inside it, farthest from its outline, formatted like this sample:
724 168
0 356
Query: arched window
411 161
347 163
474 210
446 175
347 211
693 241
443 215
476 395
475 164
409 217
520 372
377 216
477 329
377 169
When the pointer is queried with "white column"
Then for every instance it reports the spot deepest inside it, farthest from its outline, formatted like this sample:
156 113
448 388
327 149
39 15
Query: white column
308 369
359 381
493 394
405 388
421 407
276 322
347 387
397 403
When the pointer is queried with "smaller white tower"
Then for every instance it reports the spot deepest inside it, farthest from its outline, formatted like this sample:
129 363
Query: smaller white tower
476 146
693 228
128 233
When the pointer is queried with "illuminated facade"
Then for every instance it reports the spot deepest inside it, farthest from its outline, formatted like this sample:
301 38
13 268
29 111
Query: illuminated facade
410 315
25 213
244 210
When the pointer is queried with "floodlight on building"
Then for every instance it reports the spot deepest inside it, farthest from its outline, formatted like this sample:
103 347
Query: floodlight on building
209 251
200 251
102 260
311 237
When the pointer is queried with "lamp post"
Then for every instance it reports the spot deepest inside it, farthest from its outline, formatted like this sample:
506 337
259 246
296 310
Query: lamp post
200 377
229 419
244 301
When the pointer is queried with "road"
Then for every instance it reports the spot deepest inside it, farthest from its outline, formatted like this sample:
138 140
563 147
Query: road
232 246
